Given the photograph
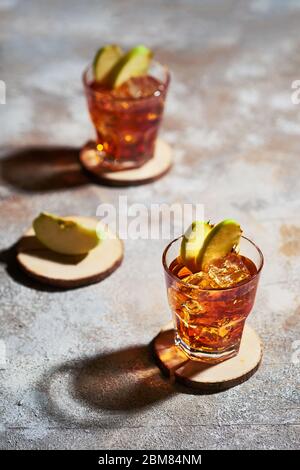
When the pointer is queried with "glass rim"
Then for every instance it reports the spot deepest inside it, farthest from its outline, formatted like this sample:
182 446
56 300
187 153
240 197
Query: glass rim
186 284
164 84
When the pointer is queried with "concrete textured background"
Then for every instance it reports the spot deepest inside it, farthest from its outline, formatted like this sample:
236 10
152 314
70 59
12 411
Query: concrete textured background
78 371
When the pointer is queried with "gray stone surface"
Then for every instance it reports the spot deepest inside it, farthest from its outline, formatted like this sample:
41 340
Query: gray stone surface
78 371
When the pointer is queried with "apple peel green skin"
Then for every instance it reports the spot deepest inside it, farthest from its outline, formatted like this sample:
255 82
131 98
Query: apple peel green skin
63 235
219 242
192 242
105 60
134 63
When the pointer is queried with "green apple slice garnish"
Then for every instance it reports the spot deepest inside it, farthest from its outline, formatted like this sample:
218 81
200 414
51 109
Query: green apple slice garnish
64 235
219 242
105 59
133 64
192 242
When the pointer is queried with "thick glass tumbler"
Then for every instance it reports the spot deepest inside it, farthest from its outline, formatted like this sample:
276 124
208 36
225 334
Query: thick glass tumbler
209 322
127 119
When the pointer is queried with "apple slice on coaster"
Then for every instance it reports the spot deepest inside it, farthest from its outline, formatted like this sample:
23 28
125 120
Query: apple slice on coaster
65 236
69 251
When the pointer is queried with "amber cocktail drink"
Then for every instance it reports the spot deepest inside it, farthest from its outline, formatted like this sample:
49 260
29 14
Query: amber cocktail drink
210 307
127 118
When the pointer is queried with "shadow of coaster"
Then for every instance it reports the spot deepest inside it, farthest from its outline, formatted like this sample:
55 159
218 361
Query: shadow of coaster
67 271
151 171
206 377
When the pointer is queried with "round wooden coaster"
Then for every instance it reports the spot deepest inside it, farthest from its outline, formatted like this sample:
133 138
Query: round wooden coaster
202 376
69 271
152 170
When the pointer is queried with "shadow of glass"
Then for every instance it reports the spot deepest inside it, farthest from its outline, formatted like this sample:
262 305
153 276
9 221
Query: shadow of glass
126 381
43 169
123 380
83 392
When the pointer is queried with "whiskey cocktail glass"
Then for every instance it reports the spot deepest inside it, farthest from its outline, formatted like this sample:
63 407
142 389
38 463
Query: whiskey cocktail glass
127 118
210 308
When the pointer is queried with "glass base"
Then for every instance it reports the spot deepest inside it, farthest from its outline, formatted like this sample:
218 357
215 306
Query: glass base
205 356
109 164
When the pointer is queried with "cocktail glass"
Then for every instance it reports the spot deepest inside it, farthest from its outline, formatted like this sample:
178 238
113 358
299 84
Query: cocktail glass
127 119
209 322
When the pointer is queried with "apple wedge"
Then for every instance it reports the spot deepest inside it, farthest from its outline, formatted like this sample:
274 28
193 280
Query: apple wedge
105 59
219 242
192 243
63 235
133 64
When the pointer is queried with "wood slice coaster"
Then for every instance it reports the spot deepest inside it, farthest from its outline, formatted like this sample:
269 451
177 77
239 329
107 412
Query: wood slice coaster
152 170
202 376
68 271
